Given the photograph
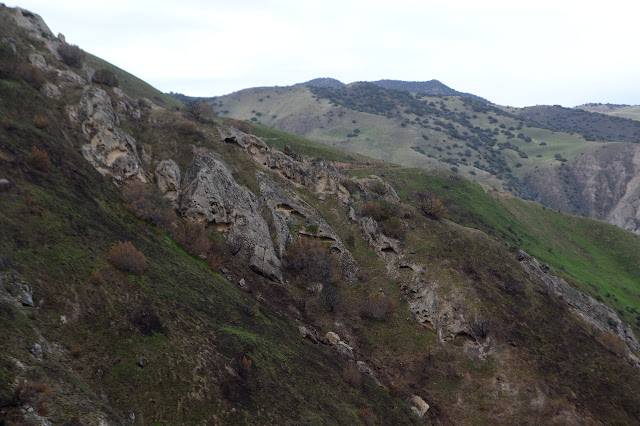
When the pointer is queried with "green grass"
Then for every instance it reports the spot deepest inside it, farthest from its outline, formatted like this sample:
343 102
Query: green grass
132 85
600 259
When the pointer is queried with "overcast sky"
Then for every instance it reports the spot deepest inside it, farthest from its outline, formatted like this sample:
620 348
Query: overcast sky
510 52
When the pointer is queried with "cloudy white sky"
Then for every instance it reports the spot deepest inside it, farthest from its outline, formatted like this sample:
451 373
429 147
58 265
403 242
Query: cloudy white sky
510 52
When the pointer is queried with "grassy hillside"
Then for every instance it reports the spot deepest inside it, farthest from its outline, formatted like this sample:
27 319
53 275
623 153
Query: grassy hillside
132 85
600 259
625 111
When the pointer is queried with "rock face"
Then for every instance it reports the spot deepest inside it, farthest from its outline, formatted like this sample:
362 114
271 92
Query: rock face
319 176
212 196
590 310
111 151
291 213
604 184
168 178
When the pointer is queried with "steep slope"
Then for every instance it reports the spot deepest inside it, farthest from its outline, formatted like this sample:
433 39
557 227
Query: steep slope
264 286
493 145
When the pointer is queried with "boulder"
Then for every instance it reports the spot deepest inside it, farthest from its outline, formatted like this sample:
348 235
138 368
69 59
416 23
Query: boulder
211 195
168 177
419 403
25 293
332 338
38 61
111 151
345 350
5 184
36 351
50 90
308 334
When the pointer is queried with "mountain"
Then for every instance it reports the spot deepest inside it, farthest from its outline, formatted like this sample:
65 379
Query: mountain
431 87
323 82
526 151
162 265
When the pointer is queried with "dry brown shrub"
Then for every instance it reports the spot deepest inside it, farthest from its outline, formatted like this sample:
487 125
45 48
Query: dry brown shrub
77 351
148 204
40 122
352 375
32 204
187 127
32 75
243 126
613 344
39 159
193 238
372 209
96 277
202 111
366 416
434 208
377 307
215 261
362 275
126 257
309 261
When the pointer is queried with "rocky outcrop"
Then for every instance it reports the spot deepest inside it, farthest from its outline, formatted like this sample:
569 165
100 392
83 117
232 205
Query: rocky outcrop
603 184
168 178
292 216
445 314
211 195
590 310
318 176
111 151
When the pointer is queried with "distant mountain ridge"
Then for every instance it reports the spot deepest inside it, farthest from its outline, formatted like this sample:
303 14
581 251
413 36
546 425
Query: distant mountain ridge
431 87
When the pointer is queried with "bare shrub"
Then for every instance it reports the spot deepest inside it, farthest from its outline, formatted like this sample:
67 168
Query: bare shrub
377 307
352 375
308 261
392 227
366 416
243 126
378 187
214 261
126 257
76 352
96 277
434 207
362 275
187 127
331 298
8 124
71 55
39 159
148 203
40 122
202 111
350 239
479 327
33 394
105 77
373 209
613 344
193 238
32 75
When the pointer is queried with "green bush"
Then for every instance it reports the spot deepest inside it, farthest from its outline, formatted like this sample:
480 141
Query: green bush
71 55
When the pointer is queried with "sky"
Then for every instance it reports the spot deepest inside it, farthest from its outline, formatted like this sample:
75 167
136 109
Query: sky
560 52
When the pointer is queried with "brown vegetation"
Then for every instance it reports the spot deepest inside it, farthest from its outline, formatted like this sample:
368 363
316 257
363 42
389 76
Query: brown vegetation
193 237
71 55
373 209
352 375
243 126
105 77
202 111
377 307
148 204
40 122
187 127
32 75
39 159
126 257
309 261
433 207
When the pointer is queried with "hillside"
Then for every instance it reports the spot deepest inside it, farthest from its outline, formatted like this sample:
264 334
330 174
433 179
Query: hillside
625 111
593 125
161 265
490 144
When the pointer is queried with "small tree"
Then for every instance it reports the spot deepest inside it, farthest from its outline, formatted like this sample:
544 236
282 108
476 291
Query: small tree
202 111
434 208
105 77
71 55
309 261
377 306
126 257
